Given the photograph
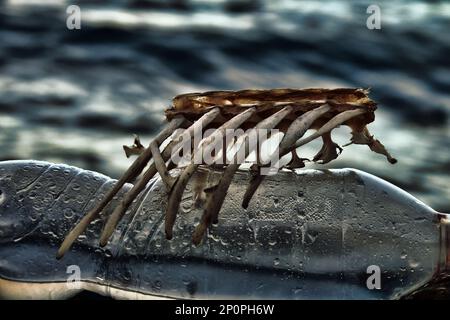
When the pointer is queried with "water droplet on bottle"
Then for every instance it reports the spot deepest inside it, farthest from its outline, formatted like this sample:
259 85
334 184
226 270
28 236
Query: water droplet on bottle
297 290
414 264
300 212
68 213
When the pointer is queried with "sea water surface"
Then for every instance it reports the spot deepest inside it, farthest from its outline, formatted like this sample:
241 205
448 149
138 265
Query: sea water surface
76 96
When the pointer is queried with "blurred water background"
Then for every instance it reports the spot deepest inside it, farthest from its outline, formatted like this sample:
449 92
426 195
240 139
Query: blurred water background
76 96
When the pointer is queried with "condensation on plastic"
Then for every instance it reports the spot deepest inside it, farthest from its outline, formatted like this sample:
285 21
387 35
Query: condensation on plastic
310 234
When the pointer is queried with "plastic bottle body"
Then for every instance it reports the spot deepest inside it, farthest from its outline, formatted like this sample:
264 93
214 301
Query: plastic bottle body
334 234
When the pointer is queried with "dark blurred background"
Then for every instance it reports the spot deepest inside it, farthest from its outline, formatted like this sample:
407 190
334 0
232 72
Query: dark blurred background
76 96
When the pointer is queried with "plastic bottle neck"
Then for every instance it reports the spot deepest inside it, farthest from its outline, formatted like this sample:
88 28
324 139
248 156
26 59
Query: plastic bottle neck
444 224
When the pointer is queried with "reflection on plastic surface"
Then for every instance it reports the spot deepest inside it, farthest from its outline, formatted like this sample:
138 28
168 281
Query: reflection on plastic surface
310 234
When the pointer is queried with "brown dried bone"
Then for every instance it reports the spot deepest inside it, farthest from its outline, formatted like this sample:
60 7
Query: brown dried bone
293 111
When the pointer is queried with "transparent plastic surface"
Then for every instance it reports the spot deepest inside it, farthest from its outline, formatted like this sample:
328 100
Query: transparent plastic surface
310 234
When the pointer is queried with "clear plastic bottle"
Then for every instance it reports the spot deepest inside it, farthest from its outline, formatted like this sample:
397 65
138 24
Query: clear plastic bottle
330 234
